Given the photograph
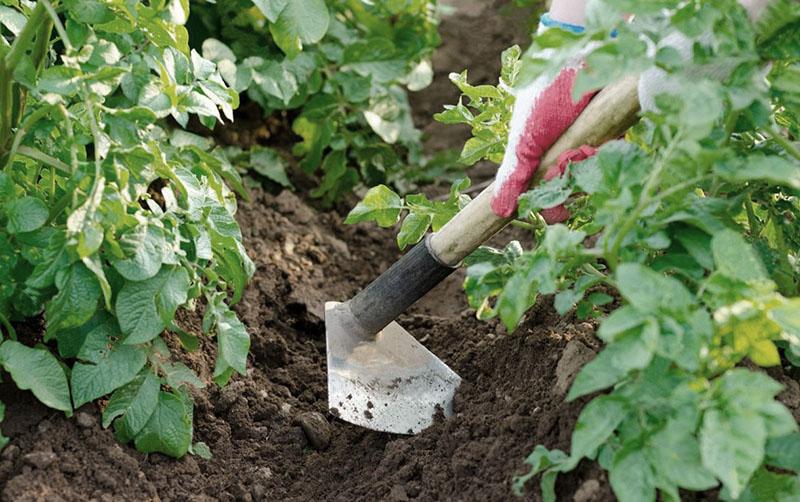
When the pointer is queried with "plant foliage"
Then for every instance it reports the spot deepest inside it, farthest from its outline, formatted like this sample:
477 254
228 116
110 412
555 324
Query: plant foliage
110 221
342 67
692 221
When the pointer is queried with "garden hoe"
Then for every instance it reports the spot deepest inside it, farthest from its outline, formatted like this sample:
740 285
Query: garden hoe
381 377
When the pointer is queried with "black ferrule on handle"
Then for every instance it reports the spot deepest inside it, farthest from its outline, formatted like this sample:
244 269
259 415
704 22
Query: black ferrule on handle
405 282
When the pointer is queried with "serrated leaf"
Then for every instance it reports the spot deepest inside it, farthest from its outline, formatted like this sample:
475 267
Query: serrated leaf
37 370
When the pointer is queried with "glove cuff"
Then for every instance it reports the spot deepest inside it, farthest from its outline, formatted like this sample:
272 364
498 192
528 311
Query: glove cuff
548 22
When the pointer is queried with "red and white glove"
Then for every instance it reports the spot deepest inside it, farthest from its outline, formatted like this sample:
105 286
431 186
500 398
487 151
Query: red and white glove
543 110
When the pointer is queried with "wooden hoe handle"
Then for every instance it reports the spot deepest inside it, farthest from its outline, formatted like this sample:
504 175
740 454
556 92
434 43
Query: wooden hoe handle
607 116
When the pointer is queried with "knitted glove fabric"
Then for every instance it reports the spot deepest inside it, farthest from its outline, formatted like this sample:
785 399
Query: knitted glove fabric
543 110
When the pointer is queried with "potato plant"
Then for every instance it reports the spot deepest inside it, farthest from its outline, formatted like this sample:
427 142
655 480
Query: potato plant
691 223
111 221
342 68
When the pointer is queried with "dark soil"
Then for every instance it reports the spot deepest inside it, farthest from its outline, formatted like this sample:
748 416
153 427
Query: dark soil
270 432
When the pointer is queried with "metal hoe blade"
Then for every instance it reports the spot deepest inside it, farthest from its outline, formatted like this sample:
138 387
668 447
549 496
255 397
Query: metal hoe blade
388 383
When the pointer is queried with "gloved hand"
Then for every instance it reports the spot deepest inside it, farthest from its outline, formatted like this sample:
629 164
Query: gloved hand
543 110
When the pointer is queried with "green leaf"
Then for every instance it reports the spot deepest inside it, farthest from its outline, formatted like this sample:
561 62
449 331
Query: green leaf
777 419
178 375
201 450
545 195
271 8
169 429
520 293
596 423
675 453
233 344
375 57
142 307
547 462
732 447
735 258
26 215
769 168
649 291
631 476
144 247
134 403
12 19
76 301
89 11
413 229
620 321
631 351
3 440
784 452
300 22
38 370
771 486
104 363
268 163
380 205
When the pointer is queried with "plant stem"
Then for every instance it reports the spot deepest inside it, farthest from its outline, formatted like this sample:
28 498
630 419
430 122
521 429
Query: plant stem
787 145
592 270
44 158
752 219
523 224
23 41
36 22
26 127
645 200
73 149
62 33
9 328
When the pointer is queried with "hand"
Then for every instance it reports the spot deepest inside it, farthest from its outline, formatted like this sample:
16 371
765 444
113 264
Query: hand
543 110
